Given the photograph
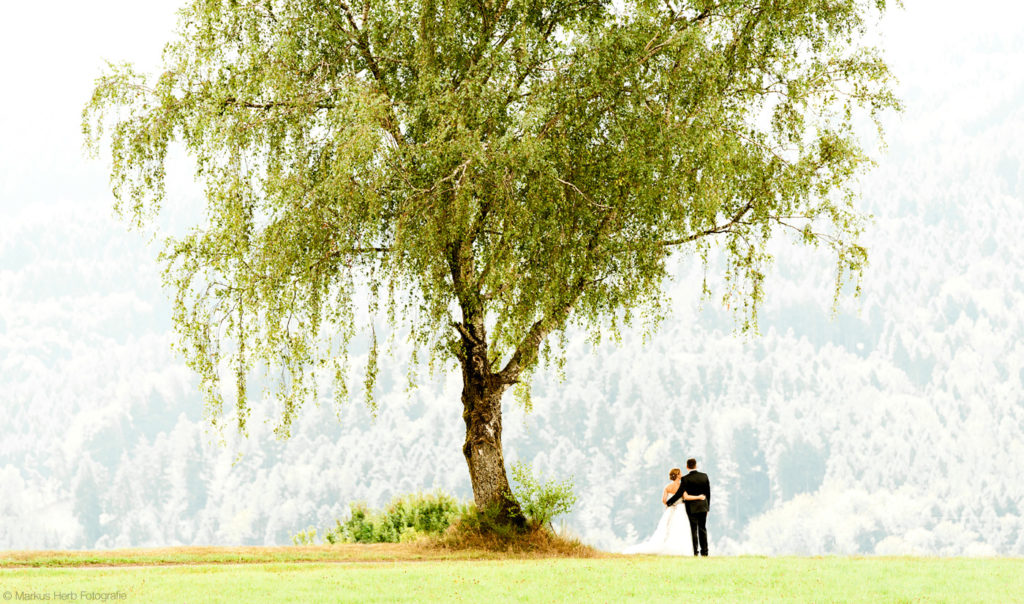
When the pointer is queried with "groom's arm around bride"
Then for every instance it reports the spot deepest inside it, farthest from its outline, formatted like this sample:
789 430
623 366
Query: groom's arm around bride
695 483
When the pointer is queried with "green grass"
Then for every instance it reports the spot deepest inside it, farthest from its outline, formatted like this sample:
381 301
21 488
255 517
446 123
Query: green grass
605 579
345 552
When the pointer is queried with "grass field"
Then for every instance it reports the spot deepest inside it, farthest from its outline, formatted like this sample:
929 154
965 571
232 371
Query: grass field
402 573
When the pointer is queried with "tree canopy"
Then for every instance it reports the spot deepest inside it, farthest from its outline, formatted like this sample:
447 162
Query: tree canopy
491 170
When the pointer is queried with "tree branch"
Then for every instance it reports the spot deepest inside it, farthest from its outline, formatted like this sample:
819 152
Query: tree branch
274 104
526 351
721 228
361 250
359 36
649 51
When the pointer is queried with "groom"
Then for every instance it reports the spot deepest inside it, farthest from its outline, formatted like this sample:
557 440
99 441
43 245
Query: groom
695 483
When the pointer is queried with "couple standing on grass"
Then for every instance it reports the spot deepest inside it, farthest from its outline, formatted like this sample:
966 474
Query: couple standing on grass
670 537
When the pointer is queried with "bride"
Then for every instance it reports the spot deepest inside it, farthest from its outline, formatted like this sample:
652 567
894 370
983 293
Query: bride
672 536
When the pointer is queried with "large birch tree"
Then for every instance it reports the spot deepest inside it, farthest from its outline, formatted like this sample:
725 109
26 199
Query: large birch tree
490 172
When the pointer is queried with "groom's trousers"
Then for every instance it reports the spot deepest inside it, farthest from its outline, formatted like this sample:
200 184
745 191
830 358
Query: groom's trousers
699 532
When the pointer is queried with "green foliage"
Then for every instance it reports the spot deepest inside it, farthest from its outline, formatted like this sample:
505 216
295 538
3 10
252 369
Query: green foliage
306 537
519 165
405 519
412 517
541 502
488 522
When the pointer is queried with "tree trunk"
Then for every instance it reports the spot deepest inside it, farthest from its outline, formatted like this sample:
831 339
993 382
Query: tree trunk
481 410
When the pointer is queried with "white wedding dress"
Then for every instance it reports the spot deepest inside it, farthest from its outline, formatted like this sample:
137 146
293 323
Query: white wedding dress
671 538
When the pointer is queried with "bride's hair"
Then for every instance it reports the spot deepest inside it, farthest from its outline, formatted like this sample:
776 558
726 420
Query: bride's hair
674 473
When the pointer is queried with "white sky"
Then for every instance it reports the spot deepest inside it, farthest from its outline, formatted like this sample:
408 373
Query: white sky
51 53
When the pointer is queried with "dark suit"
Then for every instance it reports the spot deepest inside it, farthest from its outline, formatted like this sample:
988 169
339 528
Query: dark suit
696 483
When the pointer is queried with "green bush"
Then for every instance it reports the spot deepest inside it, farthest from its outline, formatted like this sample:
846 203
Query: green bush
488 521
421 515
306 537
541 502
405 519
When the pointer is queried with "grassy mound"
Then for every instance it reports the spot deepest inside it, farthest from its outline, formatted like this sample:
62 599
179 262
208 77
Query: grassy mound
475 531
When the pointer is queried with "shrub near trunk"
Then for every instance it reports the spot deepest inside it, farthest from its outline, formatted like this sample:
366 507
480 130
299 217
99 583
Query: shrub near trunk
411 517
541 502
405 519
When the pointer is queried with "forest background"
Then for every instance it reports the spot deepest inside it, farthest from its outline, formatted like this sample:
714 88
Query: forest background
893 427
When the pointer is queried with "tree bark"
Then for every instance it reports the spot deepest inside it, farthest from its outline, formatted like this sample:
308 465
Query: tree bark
481 410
